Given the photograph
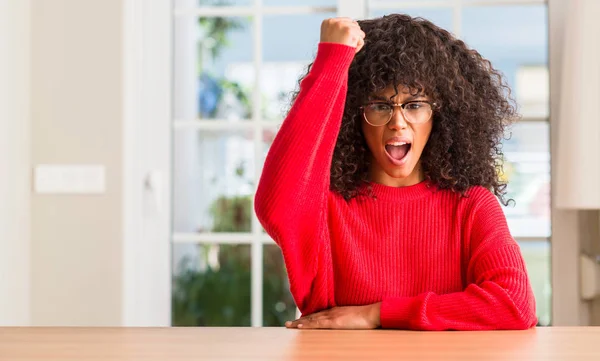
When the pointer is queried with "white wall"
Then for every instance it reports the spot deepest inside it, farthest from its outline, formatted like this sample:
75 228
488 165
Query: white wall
67 69
573 231
77 78
14 162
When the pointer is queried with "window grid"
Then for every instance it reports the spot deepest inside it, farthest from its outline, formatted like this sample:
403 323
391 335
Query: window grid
256 238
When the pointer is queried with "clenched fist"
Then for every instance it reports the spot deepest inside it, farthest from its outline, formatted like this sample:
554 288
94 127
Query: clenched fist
342 31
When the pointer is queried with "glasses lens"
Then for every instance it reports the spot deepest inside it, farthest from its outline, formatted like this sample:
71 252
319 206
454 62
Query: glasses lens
417 112
378 113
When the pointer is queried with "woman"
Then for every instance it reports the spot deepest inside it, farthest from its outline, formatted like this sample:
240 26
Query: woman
381 185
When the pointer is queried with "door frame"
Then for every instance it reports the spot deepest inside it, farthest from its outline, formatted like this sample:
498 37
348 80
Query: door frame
146 203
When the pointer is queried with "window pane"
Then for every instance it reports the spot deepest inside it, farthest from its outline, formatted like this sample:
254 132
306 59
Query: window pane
318 3
527 170
191 3
213 181
284 64
213 68
211 285
441 17
537 259
278 304
515 40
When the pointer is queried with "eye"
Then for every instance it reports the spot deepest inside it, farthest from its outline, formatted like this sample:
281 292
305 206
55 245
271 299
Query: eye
380 107
415 105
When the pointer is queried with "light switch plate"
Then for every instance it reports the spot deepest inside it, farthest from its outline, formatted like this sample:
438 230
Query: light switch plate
69 179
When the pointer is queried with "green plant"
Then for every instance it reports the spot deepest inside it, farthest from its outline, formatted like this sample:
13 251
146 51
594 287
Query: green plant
232 214
214 40
206 294
278 304
219 295
215 31
213 295
240 94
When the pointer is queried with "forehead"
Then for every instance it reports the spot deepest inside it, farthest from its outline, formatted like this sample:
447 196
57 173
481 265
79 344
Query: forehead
400 92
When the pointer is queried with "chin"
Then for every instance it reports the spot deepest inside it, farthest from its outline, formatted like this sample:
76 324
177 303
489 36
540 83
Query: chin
402 173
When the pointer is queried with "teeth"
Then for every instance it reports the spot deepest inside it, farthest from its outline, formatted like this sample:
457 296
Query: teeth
397 144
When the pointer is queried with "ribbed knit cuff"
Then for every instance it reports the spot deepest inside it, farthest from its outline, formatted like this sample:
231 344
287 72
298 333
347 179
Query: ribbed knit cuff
396 312
333 60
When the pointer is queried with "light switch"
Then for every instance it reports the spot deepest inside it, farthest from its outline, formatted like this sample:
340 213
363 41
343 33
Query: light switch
69 179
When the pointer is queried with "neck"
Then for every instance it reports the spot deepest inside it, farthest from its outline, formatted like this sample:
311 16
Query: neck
378 175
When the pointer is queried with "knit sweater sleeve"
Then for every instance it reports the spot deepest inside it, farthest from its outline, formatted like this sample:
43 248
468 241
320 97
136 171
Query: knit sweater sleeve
498 294
291 198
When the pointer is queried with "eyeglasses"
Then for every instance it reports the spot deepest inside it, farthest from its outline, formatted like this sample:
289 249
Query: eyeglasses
380 113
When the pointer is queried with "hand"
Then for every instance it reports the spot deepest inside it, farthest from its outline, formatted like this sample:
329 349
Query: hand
342 31
350 317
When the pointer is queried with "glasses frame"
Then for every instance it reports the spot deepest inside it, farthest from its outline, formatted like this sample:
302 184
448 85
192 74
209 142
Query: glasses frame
394 106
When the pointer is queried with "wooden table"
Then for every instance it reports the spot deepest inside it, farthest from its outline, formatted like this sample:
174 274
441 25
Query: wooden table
172 344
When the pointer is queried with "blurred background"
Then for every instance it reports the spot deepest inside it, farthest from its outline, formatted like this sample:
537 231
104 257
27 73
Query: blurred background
134 133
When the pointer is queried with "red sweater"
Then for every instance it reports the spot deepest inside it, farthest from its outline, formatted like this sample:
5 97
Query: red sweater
436 260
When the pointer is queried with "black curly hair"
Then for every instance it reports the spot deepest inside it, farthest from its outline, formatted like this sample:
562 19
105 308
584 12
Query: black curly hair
474 105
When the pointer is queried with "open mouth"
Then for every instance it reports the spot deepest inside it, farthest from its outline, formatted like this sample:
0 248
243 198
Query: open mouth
397 151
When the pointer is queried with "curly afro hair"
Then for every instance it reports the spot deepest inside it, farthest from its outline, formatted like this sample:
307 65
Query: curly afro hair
473 105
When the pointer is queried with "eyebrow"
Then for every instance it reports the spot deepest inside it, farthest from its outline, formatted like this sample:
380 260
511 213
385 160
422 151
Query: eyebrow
409 99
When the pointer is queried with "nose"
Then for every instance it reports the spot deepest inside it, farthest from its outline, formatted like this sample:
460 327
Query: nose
398 120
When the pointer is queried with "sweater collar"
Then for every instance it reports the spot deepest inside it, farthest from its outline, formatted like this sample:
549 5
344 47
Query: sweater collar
401 194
